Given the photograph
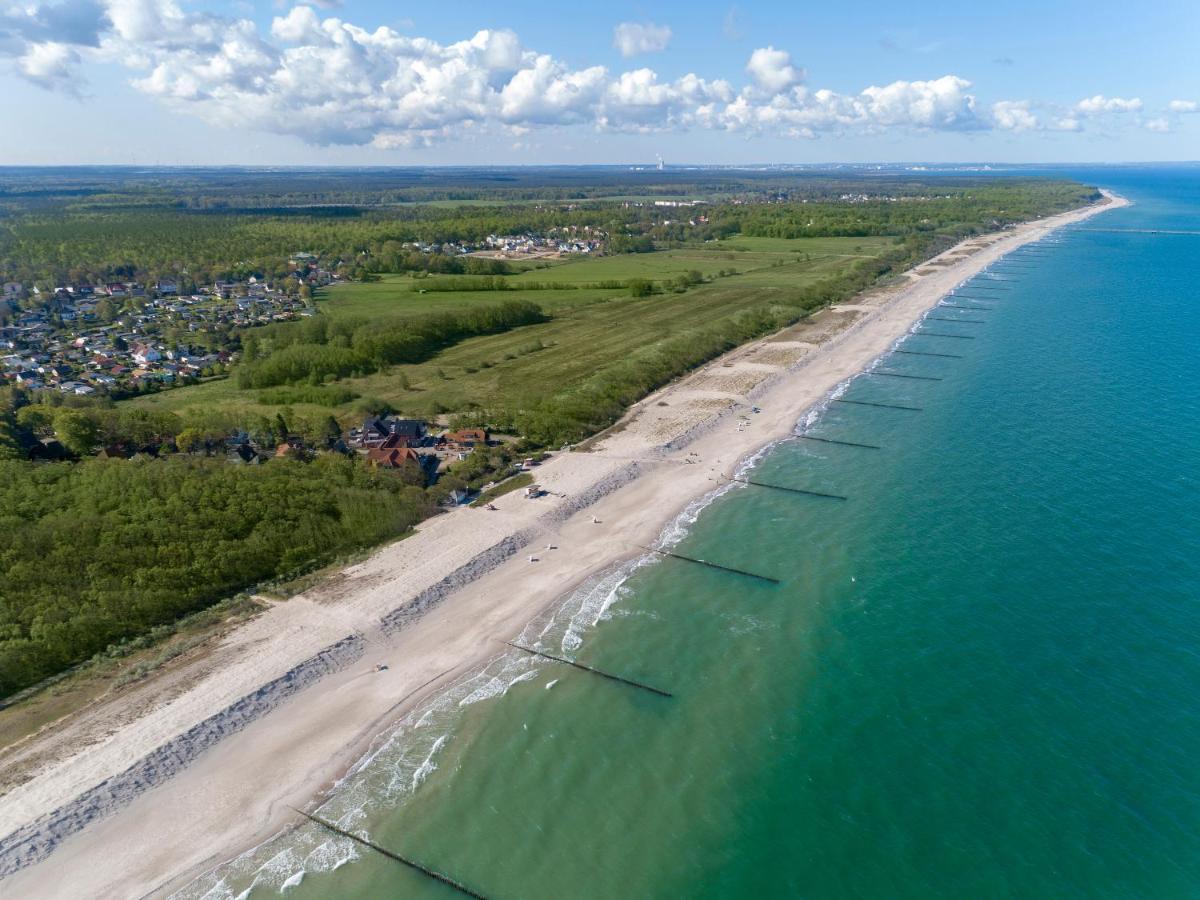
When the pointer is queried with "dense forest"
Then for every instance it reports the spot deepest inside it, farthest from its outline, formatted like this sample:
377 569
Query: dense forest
349 191
103 550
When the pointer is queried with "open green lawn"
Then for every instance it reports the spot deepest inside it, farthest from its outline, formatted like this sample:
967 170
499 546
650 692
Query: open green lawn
740 254
589 329
838 245
399 295
663 265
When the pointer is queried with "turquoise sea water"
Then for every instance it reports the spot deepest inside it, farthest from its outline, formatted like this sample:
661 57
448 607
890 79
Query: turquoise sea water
978 677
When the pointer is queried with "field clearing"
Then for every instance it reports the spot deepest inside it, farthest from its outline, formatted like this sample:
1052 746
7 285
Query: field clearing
395 297
742 254
399 295
590 329
855 246
662 265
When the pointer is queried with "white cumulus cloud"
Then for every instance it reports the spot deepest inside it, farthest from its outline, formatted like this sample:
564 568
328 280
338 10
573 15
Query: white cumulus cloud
1066 123
1100 104
1161 125
1014 115
773 70
941 103
1184 106
634 38
50 64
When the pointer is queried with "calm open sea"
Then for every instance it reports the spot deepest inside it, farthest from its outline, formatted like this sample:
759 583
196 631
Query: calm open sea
978 678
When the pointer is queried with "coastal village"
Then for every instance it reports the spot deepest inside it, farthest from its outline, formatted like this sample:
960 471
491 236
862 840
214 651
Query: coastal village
116 338
124 338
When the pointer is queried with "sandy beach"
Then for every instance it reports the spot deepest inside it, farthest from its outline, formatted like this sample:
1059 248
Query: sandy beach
137 799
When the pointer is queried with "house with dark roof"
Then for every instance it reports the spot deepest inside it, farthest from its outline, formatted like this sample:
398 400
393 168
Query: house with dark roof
244 454
377 430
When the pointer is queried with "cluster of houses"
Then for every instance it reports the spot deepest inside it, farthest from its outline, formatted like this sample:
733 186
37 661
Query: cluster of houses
383 442
75 340
568 239
571 239
105 360
389 443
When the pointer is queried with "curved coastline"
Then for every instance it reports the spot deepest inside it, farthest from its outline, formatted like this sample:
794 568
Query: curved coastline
446 629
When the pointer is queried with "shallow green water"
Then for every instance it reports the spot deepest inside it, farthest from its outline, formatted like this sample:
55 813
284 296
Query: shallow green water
978 677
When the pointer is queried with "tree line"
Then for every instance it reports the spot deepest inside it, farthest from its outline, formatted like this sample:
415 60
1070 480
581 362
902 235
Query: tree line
319 349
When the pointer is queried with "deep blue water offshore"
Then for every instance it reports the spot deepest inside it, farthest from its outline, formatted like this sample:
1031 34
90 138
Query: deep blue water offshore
978 678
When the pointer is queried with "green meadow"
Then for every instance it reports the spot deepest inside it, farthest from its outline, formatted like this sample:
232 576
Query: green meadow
590 329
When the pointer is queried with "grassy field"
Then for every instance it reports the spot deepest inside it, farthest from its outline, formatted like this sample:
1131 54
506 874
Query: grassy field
399 295
590 328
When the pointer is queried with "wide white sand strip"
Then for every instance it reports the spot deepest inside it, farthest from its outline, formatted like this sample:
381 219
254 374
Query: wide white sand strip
296 698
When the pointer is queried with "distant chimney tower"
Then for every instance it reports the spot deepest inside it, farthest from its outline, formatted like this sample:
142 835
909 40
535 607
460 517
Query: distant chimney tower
661 164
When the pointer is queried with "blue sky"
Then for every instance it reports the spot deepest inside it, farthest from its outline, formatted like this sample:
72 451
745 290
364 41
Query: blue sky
365 82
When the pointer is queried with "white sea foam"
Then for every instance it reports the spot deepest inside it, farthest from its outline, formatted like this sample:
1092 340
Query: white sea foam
219 891
494 688
428 766
292 882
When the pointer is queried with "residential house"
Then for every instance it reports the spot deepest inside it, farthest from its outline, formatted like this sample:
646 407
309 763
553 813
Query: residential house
144 354
291 448
244 454
393 458
466 438
409 432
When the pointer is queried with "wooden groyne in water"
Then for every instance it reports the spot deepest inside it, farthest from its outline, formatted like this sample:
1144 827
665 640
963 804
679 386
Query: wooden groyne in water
416 866
790 490
611 677
823 440
712 565
966 321
957 337
902 375
924 353
880 405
